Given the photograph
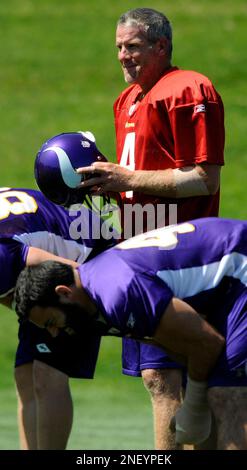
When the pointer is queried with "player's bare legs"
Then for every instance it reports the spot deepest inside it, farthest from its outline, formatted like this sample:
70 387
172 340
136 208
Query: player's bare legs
54 406
228 405
45 410
164 386
26 407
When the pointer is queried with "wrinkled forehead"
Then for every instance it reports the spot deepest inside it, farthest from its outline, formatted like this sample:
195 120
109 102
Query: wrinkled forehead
130 32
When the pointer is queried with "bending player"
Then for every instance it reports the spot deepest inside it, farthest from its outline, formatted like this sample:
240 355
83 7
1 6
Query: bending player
30 224
160 283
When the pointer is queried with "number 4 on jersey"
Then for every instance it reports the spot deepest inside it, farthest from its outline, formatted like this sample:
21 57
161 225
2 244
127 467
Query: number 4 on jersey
128 156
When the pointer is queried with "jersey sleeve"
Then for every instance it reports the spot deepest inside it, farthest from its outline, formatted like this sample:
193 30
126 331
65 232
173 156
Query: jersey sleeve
12 260
134 309
148 298
131 303
198 128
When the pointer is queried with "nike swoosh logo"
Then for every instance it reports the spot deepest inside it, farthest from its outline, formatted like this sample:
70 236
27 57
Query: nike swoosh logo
70 177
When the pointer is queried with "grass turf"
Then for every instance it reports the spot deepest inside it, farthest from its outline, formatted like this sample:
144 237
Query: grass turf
59 72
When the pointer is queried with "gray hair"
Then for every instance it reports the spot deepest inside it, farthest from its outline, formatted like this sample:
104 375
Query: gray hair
154 24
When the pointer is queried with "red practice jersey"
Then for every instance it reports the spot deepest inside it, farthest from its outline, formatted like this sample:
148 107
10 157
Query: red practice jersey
179 122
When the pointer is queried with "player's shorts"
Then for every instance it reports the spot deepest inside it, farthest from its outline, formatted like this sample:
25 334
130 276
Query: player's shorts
138 356
73 355
231 368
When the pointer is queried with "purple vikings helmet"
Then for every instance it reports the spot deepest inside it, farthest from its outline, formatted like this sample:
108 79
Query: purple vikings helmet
56 162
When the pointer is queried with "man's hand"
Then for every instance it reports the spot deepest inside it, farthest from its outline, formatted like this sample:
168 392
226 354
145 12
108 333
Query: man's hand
106 177
192 422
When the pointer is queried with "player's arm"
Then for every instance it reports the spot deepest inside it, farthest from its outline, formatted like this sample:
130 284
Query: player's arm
36 256
184 332
197 180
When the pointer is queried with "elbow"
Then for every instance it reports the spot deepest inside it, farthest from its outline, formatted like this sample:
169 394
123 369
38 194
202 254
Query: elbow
202 180
213 186
211 177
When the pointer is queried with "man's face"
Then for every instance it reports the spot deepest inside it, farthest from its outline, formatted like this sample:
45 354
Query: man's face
137 56
67 315
51 318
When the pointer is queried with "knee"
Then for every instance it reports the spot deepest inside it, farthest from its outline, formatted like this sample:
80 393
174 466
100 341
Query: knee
47 378
161 382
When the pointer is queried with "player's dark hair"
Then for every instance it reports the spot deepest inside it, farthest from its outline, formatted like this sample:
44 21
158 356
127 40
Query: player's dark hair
154 24
36 286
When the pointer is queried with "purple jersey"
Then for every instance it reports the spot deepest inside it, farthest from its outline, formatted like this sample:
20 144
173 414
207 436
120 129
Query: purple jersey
134 282
27 218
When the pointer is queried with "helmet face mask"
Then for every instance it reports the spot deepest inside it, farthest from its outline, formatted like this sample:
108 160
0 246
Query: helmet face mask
56 163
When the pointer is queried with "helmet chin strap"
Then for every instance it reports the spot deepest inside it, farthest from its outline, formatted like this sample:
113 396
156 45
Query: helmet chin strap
106 206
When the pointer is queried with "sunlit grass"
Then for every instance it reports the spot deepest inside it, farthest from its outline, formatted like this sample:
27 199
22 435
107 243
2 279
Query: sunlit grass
59 72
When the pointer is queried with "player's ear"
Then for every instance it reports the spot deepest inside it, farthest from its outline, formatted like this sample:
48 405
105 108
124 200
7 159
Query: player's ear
161 47
63 291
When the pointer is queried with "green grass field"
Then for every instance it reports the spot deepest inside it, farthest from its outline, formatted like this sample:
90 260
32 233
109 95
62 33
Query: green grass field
59 72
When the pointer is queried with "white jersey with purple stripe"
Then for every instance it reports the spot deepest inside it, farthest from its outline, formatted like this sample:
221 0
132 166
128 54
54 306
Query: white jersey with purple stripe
134 282
27 218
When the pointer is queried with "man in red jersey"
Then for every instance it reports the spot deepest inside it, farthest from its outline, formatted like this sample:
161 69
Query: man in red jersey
170 146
